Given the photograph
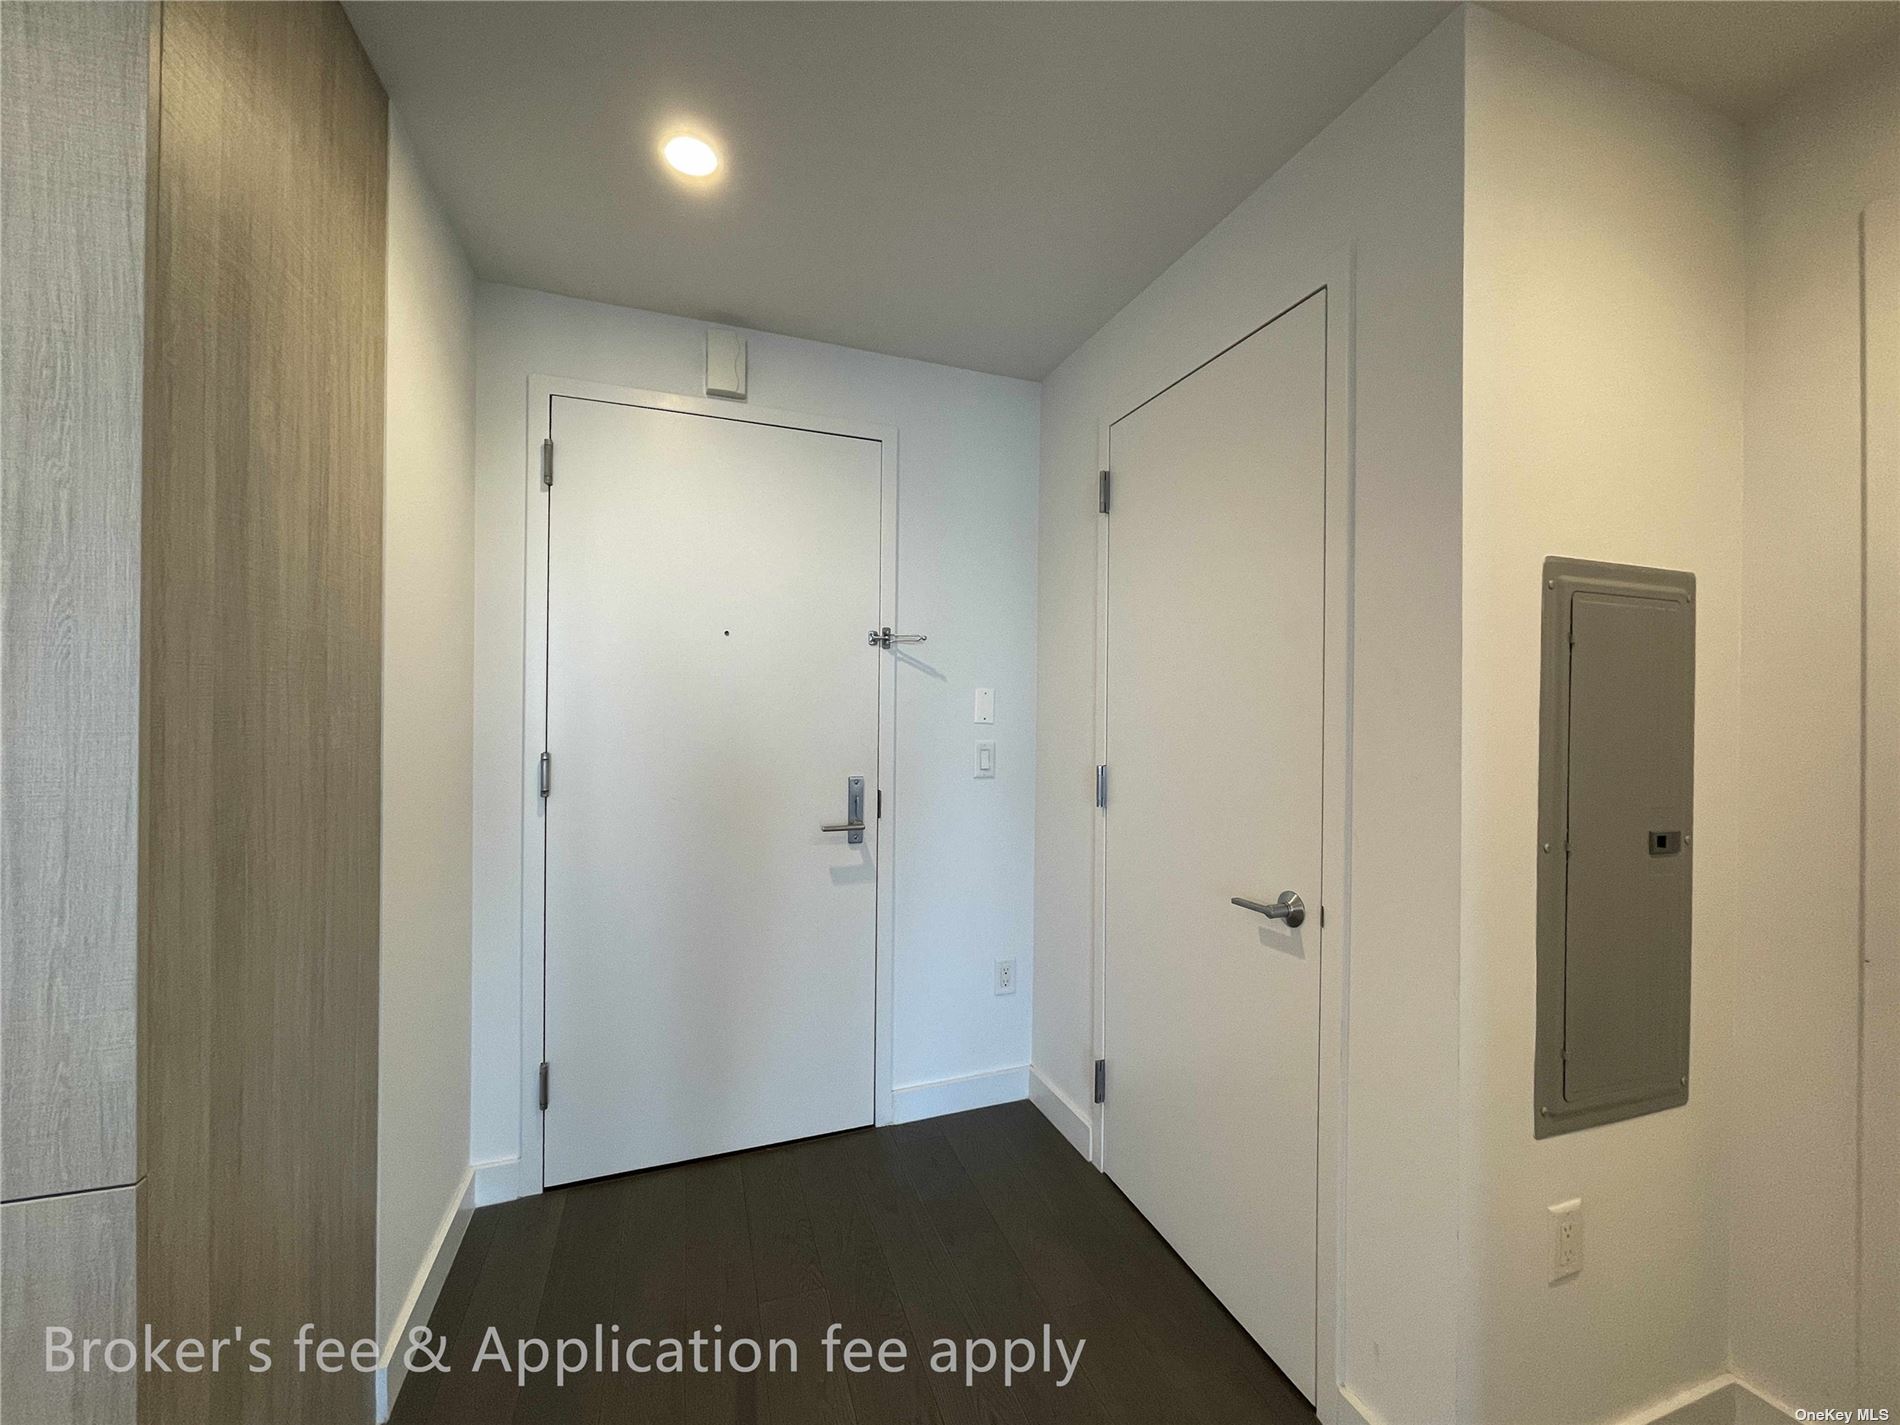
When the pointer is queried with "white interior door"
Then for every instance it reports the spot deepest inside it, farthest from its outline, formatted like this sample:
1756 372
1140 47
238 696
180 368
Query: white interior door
1215 684
710 951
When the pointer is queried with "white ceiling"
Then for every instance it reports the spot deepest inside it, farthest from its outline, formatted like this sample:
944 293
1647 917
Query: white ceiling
979 184
1737 57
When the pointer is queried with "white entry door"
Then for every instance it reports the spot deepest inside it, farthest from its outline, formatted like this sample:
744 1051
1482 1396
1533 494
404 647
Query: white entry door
1215 661
710 950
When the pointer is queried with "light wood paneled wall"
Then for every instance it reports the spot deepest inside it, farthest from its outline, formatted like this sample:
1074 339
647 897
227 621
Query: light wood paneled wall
72 284
261 728
73 132
69 1262
1880 807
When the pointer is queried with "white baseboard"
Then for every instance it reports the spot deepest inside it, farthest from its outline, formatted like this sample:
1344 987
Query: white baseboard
1073 1122
423 1292
1721 1400
1755 1406
497 1180
1708 1400
1350 1409
911 1102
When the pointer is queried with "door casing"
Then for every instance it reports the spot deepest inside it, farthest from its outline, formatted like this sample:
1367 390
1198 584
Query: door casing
1162 370
541 393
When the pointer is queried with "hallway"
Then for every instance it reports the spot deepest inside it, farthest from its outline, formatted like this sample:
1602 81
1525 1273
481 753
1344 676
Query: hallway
981 1224
920 714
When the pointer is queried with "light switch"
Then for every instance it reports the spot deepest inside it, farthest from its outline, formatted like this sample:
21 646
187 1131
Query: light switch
986 759
986 705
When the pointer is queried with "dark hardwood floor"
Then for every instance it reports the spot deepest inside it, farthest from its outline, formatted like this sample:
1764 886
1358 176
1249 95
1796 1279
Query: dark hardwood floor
982 1225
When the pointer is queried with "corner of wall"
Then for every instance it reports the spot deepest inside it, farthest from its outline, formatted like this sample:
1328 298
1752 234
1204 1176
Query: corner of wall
1816 162
1382 183
1602 419
428 708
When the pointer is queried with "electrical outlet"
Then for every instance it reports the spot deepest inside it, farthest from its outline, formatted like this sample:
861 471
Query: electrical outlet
1006 977
1566 1239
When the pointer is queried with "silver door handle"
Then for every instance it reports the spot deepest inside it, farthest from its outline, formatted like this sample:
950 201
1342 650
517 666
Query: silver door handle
884 638
853 824
1289 908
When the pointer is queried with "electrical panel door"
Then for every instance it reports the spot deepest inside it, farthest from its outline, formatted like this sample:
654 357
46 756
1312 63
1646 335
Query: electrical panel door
1617 747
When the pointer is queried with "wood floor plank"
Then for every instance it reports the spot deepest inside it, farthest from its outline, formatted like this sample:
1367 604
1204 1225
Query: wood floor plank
586 1290
719 1292
925 1279
1184 1327
506 1296
996 1291
783 1257
642 1258
809 1395
415 1402
984 1225
1036 1228
1135 1372
858 1282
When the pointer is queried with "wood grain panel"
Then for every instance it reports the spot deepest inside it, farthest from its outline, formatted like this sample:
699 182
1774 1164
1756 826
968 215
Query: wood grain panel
1880 810
262 726
72 254
70 1264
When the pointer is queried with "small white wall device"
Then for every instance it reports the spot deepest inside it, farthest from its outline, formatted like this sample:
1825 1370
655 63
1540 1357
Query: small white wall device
725 364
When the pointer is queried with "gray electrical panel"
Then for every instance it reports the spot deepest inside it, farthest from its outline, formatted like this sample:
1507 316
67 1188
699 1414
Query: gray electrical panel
1615 844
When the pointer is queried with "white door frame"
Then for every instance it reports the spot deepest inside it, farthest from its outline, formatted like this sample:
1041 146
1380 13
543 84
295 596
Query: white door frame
1334 278
541 392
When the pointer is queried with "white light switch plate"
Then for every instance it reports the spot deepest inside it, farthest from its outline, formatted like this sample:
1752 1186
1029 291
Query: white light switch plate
986 705
985 760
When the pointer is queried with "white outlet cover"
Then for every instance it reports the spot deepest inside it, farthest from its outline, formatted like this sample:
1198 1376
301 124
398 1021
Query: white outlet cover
1566 1239
1006 977
986 705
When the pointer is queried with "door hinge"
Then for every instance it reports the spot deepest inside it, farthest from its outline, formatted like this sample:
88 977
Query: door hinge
547 774
880 804
544 1085
1103 504
1101 1081
547 463
1101 785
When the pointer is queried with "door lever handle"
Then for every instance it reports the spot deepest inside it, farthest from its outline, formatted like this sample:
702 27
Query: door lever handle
1289 908
884 638
853 823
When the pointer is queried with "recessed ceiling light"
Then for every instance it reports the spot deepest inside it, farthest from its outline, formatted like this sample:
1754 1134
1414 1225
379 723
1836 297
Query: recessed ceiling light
692 156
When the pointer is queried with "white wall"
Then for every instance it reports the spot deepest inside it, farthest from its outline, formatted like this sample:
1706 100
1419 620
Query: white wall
966 578
428 642
1384 180
1603 420
1813 165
